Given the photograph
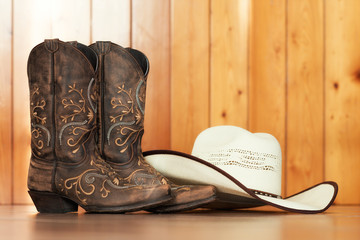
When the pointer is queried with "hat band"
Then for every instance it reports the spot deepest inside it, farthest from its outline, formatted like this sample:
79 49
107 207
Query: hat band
266 194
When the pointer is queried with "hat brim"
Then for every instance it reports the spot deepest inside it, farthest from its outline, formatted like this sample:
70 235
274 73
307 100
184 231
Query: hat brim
187 169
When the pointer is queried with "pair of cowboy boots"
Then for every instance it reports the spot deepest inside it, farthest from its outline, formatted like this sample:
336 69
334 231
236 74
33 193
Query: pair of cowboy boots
87 113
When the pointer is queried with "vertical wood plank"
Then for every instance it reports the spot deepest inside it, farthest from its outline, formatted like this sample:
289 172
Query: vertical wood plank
229 62
70 20
151 35
32 23
111 21
5 103
267 74
342 86
189 72
305 108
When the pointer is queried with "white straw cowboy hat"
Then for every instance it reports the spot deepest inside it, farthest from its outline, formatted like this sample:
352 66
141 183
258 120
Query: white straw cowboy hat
244 167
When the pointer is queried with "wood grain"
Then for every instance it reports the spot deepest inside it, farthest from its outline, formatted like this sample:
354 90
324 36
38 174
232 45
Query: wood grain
5 103
305 104
339 222
342 88
151 35
229 62
70 20
111 21
189 72
267 74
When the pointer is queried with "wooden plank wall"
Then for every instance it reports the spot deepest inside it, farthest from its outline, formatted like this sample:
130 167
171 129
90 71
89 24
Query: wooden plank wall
5 103
342 97
151 34
189 72
287 67
305 94
267 75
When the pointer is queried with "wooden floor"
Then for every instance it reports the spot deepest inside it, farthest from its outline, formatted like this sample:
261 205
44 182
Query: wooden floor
23 222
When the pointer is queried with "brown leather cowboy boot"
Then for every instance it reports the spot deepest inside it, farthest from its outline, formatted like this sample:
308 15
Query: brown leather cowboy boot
122 78
65 168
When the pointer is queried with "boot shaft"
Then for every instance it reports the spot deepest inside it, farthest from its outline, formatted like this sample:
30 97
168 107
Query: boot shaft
62 101
122 85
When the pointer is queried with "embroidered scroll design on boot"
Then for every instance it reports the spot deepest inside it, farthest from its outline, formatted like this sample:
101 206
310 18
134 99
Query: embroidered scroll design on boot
38 130
102 176
127 133
77 106
124 102
86 183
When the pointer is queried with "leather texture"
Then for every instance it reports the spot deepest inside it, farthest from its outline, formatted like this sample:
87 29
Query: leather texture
121 113
122 80
65 158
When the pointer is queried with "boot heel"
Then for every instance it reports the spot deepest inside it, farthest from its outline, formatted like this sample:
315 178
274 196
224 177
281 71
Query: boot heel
47 202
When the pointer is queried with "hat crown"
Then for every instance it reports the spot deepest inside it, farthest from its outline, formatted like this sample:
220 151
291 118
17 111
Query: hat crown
254 159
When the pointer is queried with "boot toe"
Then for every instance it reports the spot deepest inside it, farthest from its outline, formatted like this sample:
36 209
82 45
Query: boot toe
187 197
